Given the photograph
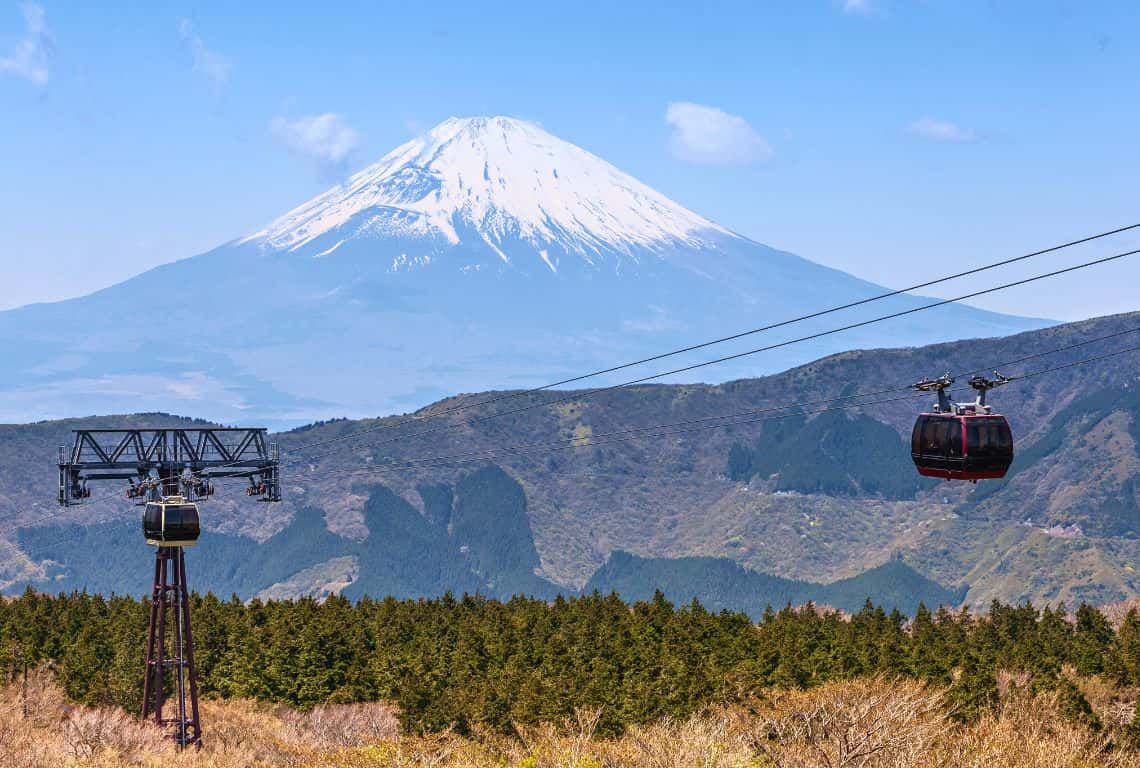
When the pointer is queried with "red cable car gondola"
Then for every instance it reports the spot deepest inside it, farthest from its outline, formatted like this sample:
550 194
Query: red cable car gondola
962 441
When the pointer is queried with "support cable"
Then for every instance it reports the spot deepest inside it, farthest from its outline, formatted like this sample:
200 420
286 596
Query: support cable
732 337
798 340
601 390
685 427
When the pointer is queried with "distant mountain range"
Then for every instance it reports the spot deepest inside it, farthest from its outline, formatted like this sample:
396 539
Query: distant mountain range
485 254
483 549
721 584
787 508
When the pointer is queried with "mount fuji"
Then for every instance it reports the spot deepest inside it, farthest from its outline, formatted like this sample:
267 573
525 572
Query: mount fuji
485 254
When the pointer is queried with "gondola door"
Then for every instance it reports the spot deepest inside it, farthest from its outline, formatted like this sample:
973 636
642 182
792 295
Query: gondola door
936 445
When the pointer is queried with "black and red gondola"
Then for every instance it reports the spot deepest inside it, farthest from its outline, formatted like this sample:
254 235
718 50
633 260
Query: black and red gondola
962 441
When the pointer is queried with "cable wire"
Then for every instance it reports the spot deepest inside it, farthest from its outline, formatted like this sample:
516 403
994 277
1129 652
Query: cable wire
591 393
687 426
684 427
790 321
782 323
798 340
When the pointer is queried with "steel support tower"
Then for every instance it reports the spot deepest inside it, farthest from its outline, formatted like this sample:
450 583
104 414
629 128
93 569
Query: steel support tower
159 463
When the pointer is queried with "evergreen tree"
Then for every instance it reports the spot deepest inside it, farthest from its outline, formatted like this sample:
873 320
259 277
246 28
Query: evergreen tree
475 662
974 690
1123 659
1092 636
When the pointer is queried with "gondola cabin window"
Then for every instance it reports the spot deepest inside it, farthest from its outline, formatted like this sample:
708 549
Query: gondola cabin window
938 440
171 522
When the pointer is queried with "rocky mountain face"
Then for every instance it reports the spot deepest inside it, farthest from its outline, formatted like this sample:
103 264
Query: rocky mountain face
816 493
487 254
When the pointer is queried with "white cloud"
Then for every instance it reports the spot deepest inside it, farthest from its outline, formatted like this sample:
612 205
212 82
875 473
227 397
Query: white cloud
208 62
29 58
707 135
941 130
862 7
328 139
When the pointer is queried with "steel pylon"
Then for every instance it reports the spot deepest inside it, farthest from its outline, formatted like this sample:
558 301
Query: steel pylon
170 647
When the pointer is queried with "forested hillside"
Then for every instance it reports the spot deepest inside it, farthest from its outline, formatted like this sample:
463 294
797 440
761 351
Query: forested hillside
473 663
720 584
462 548
807 492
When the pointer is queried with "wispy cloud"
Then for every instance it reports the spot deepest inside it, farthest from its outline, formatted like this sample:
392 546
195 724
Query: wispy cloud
207 61
861 7
707 135
30 57
941 130
327 140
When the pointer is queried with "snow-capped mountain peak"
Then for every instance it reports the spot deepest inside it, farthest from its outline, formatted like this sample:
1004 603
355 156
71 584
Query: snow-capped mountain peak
506 180
486 255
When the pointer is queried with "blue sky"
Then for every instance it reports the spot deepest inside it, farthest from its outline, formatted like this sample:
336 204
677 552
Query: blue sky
893 139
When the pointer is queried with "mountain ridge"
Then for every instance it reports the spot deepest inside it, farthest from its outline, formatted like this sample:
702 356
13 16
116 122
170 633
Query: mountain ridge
1065 526
407 556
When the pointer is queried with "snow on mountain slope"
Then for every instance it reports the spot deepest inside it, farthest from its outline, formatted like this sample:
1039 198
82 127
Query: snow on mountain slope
506 180
486 254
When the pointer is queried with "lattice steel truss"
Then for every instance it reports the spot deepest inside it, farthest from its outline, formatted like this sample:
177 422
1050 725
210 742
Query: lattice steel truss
160 463
183 460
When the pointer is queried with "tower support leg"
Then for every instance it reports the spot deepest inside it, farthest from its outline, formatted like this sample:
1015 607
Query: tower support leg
171 598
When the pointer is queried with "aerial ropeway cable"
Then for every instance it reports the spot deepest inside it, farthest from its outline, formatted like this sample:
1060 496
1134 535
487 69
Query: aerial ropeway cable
601 390
577 396
590 393
732 337
724 421
708 423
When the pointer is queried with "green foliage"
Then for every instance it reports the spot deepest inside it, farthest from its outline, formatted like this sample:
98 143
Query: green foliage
974 691
1092 638
1123 660
489 526
405 554
438 500
834 453
1075 706
1119 514
475 538
475 662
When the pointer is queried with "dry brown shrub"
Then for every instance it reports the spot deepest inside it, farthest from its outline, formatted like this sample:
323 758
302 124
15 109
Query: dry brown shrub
570 744
704 741
343 725
1114 706
110 731
39 729
27 713
1009 682
1029 731
855 724
240 732
1116 612
876 723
